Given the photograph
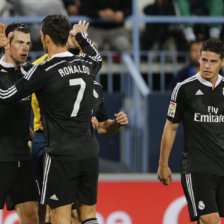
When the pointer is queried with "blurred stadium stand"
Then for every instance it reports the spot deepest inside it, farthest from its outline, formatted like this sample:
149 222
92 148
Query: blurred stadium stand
137 85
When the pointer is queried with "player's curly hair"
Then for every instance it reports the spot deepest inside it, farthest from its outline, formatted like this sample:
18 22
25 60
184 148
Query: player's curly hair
57 27
214 45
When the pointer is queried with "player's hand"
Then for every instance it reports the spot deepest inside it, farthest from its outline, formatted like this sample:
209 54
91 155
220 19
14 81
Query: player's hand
95 123
81 27
164 174
121 118
3 39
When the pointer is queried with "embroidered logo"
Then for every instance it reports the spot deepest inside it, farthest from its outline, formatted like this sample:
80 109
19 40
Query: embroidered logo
201 205
199 92
54 197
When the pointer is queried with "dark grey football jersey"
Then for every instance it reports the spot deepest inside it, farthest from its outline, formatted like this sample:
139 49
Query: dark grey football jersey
201 109
64 89
14 119
99 110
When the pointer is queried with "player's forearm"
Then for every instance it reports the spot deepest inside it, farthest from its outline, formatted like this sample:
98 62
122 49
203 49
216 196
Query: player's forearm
108 127
21 89
87 46
8 95
167 141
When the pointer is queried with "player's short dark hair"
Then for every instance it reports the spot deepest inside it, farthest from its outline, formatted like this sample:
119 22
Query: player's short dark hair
16 26
214 45
57 27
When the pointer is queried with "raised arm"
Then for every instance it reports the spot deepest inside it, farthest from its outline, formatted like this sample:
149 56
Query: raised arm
81 27
78 39
32 80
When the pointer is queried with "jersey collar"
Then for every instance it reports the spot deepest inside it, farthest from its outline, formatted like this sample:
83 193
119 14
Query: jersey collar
63 54
6 64
207 83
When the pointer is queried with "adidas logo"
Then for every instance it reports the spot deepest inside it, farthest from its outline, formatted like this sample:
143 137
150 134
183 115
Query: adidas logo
3 70
54 197
199 92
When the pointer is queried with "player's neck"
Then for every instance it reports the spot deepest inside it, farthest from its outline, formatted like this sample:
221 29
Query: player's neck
6 58
54 49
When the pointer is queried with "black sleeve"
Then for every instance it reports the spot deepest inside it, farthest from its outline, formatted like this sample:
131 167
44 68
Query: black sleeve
26 67
86 45
177 104
99 110
90 52
101 114
33 80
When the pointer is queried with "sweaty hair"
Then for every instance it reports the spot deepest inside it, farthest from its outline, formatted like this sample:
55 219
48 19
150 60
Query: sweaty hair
215 46
57 27
16 26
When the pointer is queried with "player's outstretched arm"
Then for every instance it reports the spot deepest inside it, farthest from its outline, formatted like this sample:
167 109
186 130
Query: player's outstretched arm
3 39
110 127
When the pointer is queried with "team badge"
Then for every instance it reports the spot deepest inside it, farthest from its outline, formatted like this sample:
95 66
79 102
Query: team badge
172 109
201 205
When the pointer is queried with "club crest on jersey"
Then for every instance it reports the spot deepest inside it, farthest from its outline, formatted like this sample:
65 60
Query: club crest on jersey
172 109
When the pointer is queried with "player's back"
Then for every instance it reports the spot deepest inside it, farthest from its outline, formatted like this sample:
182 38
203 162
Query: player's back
64 89
66 104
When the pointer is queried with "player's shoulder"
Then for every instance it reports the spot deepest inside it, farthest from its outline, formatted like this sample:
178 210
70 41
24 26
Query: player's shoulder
97 90
97 84
181 86
41 59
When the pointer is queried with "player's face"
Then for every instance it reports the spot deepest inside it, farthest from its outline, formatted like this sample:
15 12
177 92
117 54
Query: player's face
19 47
210 64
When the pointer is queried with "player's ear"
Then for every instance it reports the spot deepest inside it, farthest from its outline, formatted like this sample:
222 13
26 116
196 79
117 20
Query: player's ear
47 38
222 61
199 56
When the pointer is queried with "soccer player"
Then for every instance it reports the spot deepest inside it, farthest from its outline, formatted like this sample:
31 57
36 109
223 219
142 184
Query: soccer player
64 89
18 187
198 103
100 121
38 148
104 126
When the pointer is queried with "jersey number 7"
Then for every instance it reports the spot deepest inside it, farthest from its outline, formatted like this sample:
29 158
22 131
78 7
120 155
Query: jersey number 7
82 84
